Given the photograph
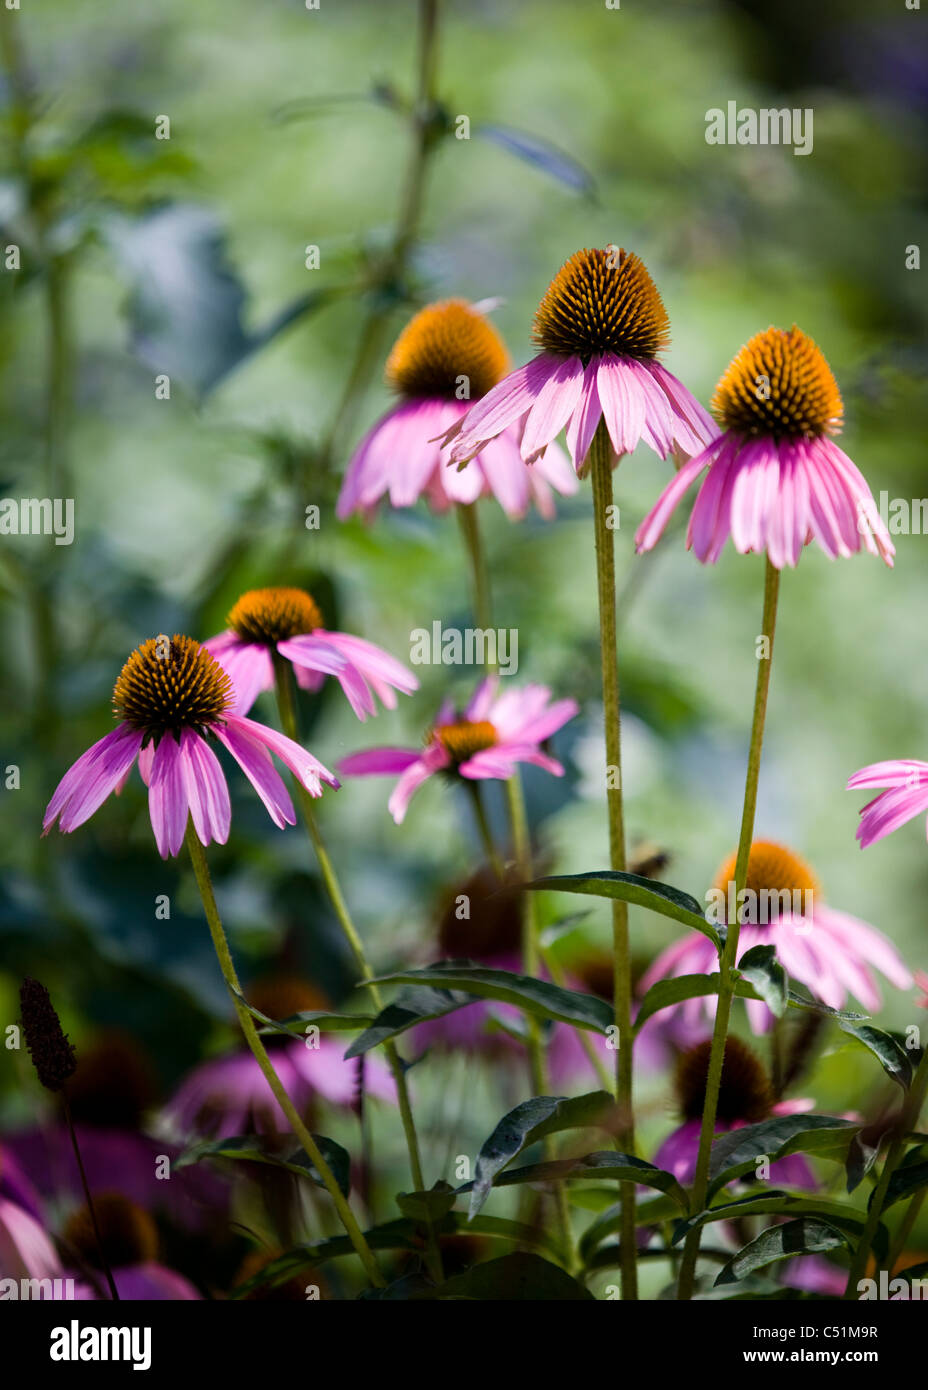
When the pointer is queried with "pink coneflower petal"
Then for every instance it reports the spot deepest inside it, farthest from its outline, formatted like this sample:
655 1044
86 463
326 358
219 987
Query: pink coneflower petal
206 790
886 812
582 425
553 407
622 401
167 797
431 761
255 761
248 664
893 772
501 762
97 773
317 653
307 769
506 403
652 528
376 762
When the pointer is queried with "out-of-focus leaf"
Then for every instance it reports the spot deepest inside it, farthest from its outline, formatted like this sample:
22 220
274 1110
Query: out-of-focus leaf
804 1236
427 1206
258 1148
904 1182
846 1218
760 967
861 1156
186 304
531 149
631 888
532 1120
537 996
515 1278
736 1153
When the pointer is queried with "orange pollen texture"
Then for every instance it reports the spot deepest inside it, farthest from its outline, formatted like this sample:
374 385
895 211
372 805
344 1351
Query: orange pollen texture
602 301
170 684
269 616
462 740
779 384
774 871
449 350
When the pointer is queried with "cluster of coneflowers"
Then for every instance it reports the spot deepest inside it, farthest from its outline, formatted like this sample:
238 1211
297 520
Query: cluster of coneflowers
465 427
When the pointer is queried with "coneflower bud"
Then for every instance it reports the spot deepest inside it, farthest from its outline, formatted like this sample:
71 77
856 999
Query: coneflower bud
52 1055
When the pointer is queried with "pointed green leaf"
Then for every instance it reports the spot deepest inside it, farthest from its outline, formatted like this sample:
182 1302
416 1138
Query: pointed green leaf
805 1236
760 967
536 996
515 1278
604 1163
736 1153
631 888
279 1153
888 1052
413 1005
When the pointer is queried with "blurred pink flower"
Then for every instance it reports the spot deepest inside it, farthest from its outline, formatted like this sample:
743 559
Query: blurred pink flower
906 797
289 622
494 734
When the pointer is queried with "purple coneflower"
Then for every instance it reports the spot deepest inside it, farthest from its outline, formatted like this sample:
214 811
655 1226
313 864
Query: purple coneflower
745 1098
776 479
832 953
493 734
600 327
447 357
173 700
288 621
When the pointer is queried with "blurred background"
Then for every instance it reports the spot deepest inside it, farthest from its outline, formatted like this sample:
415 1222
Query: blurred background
186 256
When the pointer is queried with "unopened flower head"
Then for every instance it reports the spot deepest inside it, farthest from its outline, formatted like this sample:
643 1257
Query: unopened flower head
289 622
600 327
447 357
52 1054
776 478
487 739
174 703
832 953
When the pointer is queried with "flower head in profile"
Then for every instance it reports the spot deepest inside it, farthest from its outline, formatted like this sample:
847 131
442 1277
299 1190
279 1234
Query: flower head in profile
905 797
745 1098
486 740
175 703
832 953
289 622
776 478
447 356
600 327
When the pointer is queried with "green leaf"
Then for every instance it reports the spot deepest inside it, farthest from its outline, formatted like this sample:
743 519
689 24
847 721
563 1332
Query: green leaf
890 1055
604 1163
295 1026
279 1153
428 1206
532 1120
515 1278
906 1181
861 1156
760 967
536 996
187 305
845 1217
412 1005
805 1236
736 1152
631 888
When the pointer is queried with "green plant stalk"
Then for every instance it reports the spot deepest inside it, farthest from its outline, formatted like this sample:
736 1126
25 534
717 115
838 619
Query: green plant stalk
908 1221
287 710
729 956
600 464
114 1292
908 1120
483 827
480 582
311 1148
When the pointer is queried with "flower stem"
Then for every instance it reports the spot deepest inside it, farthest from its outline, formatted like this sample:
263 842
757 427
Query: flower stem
486 834
729 956
114 1292
287 708
480 582
908 1120
600 459
252 1037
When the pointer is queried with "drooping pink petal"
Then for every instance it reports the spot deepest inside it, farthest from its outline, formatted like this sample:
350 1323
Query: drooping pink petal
167 797
894 772
623 402
248 665
653 525
97 773
589 411
432 760
508 401
255 761
307 769
553 407
379 762
205 788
